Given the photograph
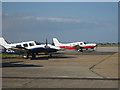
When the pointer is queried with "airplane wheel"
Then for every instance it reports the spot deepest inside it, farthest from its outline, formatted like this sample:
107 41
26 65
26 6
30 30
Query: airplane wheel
93 49
33 56
50 56
26 56
78 50
81 50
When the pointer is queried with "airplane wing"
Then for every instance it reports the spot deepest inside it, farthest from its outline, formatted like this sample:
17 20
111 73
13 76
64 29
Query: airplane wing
19 49
41 49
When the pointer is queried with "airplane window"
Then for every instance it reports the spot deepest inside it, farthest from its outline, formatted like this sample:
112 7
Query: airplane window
84 42
31 44
25 45
18 46
81 43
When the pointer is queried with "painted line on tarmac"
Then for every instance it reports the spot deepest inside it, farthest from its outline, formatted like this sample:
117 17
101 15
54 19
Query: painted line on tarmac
71 78
91 68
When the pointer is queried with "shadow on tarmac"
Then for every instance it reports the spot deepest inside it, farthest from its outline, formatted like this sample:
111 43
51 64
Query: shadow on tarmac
53 57
89 53
13 64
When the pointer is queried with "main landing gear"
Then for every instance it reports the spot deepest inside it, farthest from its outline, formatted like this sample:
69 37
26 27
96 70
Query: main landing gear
50 55
80 50
33 56
26 55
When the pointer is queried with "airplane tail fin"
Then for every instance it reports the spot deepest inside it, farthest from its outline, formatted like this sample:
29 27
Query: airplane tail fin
4 43
56 42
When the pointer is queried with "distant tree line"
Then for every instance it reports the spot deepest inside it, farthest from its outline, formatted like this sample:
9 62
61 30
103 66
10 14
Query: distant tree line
108 44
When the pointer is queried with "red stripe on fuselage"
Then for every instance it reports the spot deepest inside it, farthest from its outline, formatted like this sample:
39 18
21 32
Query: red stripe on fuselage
69 47
88 46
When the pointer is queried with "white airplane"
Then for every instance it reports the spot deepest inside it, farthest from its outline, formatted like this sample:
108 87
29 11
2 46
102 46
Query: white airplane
29 48
79 46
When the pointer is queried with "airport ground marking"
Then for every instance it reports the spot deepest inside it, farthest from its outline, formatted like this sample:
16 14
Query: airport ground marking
71 78
99 63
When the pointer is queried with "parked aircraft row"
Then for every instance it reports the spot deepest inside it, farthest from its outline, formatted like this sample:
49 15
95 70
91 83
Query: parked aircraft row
33 48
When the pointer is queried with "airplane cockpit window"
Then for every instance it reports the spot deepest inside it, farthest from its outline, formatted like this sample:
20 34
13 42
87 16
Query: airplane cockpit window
25 45
37 43
84 42
31 44
18 46
81 43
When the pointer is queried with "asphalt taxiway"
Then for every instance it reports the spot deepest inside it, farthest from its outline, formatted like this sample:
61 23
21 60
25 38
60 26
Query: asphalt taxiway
66 69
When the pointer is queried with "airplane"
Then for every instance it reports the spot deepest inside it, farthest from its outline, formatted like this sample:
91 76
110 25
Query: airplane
29 48
79 46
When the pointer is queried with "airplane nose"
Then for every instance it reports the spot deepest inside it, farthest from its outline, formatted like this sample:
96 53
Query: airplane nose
96 45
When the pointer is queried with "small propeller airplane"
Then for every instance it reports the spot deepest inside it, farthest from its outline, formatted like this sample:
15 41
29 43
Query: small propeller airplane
79 46
29 48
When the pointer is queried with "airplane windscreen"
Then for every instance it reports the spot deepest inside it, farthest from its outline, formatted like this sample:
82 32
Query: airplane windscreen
85 43
37 43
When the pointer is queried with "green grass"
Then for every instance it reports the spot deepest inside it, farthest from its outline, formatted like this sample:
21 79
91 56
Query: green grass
5 55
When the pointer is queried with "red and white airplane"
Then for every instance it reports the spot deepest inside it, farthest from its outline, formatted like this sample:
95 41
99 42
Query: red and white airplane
79 46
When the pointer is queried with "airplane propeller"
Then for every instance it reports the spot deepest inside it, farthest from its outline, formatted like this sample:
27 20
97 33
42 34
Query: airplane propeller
46 41
96 46
46 46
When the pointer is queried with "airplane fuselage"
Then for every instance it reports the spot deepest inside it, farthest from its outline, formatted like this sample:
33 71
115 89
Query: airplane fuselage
28 48
31 46
72 45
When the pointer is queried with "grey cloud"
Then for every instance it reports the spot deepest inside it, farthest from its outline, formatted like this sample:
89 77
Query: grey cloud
53 19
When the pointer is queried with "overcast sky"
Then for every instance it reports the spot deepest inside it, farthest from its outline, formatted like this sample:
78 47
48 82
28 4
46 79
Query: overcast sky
69 22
